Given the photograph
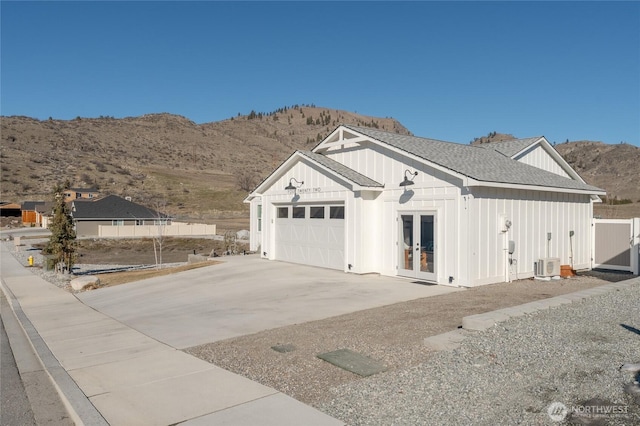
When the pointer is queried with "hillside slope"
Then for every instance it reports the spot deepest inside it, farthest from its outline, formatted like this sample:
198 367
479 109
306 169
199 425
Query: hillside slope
615 168
197 171
204 171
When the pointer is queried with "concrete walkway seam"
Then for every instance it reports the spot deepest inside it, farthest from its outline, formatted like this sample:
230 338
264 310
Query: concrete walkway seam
480 322
80 409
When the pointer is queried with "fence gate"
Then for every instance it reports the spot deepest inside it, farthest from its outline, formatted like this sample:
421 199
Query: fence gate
616 243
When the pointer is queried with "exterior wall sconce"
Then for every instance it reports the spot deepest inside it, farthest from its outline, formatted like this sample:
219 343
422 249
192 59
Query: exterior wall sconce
292 186
406 181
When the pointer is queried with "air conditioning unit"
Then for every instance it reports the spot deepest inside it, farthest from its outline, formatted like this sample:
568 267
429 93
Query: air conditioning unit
548 267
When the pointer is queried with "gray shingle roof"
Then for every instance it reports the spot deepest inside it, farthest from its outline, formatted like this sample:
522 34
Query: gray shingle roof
510 147
341 169
112 207
30 205
486 165
83 189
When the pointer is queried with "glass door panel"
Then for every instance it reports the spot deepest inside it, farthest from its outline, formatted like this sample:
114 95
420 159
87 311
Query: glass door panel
427 242
406 244
417 246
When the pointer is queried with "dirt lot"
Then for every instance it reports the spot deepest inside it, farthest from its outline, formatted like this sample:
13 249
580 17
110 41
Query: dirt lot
392 334
140 251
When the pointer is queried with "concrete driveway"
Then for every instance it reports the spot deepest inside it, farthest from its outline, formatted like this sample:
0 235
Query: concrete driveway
245 295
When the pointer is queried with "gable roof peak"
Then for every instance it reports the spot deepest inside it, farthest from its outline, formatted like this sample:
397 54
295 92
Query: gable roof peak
511 147
492 163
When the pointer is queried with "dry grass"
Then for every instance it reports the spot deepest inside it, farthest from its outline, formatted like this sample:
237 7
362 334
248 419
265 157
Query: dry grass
620 211
195 168
117 278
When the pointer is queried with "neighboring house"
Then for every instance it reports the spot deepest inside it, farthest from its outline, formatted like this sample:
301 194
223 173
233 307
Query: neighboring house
112 210
44 213
29 213
72 194
10 209
368 201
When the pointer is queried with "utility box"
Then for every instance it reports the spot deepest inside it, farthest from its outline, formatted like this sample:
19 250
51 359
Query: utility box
49 262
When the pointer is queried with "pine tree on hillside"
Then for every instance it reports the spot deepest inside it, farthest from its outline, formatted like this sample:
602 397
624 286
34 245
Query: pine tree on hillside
62 243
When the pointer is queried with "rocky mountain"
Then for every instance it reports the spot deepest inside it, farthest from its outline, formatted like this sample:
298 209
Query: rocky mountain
204 171
201 171
615 168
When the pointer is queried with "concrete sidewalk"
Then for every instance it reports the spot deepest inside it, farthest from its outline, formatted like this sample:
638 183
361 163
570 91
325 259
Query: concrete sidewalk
108 373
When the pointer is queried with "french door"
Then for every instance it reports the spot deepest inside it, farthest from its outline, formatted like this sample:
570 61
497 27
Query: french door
417 245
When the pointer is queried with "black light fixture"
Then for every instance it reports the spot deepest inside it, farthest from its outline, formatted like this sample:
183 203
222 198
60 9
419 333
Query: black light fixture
291 186
406 181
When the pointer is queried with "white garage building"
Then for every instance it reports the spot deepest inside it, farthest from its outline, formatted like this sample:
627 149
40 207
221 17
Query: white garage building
368 201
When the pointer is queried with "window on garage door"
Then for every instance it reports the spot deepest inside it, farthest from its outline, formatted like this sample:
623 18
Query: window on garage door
283 212
316 212
298 213
336 212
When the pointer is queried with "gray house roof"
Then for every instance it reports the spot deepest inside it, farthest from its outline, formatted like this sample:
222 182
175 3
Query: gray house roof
46 207
30 205
511 147
474 161
112 207
83 189
341 169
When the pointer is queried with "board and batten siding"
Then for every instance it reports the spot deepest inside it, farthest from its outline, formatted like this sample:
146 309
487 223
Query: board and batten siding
255 234
364 233
433 191
444 203
533 214
537 156
318 188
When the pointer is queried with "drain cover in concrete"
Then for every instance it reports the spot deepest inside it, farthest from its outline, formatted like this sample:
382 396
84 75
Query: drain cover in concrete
422 283
353 362
284 348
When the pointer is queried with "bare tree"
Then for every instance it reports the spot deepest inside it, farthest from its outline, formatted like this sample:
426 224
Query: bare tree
246 180
160 235
230 243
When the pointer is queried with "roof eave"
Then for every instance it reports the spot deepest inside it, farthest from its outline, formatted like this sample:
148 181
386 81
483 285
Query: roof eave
595 191
298 156
354 186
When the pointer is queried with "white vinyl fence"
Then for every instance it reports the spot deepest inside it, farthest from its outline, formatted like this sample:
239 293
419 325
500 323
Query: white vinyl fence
140 231
616 244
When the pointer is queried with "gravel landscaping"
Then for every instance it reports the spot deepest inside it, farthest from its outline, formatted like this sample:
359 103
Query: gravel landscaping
511 373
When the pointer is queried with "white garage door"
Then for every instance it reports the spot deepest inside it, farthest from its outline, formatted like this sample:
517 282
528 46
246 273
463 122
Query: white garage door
311 235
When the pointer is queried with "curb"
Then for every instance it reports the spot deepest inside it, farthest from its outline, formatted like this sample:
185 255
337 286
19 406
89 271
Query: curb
80 409
480 322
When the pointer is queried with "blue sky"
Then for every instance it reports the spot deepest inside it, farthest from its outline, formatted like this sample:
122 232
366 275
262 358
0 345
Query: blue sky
451 71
